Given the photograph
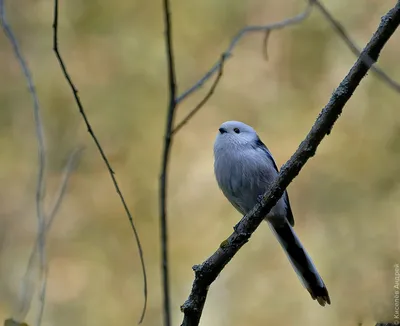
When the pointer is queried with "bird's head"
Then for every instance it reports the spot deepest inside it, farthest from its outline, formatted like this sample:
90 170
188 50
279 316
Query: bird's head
234 134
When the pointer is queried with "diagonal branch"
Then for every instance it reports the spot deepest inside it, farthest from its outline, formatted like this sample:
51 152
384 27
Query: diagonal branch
101 151
351 45
207 272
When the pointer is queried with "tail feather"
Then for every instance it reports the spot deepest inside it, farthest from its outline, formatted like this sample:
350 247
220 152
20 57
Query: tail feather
301 262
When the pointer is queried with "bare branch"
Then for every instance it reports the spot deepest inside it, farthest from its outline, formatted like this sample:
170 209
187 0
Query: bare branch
69 167
42 294
351 44
164 167
265 44
101 151
40 188
206 273
203 101
28 281
72 160
243 32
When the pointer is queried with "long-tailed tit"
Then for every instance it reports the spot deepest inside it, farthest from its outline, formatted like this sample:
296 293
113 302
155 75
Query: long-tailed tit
244 168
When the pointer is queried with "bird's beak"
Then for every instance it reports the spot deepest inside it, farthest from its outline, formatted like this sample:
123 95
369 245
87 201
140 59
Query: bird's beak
222 130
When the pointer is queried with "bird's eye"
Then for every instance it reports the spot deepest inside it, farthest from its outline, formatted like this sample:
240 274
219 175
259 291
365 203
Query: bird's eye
236 130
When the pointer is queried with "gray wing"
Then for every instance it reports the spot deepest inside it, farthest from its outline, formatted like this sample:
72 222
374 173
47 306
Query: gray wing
289 214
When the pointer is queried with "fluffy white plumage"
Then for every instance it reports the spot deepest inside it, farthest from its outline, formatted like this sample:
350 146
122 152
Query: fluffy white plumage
244 169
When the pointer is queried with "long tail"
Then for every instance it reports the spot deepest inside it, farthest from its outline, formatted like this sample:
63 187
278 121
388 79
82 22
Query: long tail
301 262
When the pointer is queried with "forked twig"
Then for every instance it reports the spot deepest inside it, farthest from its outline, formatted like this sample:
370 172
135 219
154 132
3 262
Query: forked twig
244 31
28 281
40 187
202 102
72 160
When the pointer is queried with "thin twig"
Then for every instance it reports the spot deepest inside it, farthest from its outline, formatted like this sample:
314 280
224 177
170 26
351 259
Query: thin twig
203 101
351 44
207 272
72 160
228 53
165 159
42 294
28 283
265 44
40 188
100 149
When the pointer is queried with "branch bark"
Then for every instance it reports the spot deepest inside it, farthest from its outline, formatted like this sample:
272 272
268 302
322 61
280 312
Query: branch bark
172 103
206 273
103 155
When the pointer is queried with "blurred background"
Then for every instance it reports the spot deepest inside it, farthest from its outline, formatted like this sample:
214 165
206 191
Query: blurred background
346 201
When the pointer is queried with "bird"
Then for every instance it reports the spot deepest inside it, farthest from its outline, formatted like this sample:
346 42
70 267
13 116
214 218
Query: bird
244 169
